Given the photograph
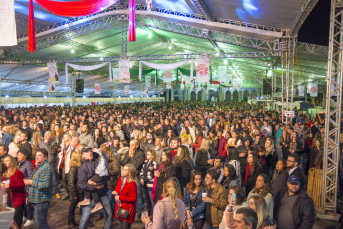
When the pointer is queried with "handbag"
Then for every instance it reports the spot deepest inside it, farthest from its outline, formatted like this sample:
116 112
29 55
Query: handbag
123 213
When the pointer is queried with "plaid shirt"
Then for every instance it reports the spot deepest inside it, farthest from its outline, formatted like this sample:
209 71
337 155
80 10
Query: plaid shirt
41 189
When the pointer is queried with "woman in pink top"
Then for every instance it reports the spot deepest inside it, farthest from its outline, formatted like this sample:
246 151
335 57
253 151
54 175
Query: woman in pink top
170 204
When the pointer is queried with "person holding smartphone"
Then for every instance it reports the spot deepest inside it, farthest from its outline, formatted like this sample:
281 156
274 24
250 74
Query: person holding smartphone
236 199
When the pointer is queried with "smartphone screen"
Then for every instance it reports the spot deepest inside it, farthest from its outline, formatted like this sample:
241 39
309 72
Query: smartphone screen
233 197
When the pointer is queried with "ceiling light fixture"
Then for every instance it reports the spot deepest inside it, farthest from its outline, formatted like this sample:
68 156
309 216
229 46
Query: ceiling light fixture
170 47
149 35
101 58
72 51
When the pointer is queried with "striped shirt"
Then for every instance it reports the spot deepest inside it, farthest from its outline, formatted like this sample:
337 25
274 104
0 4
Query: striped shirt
147 175
41 189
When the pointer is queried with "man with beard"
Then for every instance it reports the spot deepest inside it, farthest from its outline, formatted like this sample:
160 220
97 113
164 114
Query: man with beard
85 137
149 144
25 127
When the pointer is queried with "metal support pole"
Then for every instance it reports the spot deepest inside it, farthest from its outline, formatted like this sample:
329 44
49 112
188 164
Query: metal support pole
73 89
239 96
172 91
114 92
159 92
124 28
185 94
333 109
140 91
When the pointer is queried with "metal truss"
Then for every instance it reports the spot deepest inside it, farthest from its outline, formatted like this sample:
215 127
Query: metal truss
35 93
203 9
288 61
124 31
331 156
147 57
305 11
86 48
316 50
67 34
22 21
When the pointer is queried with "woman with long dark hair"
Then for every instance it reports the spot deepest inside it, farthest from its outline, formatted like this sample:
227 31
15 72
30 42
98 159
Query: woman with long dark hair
183 166
234 141
195 207
98 138
314 151
231 177
198 138
212 136
165 170
233 159
271 157
252 171
279 180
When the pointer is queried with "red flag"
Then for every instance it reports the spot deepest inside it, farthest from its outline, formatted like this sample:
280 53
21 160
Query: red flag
132 20
32 30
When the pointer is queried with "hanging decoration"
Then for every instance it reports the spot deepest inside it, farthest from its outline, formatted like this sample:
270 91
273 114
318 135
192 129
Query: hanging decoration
161 90
97 88
52 86
314 90
165 66
124 71
62 8
182 86
301 90
132 20
115 74
222 72
188 82
8 29
127 89
148 5
294 91
168 85
202 70
53 72
167 76
148 81
146 90
237 83
87 68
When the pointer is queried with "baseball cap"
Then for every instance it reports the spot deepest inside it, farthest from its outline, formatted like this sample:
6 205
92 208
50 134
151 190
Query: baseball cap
293 179
86 150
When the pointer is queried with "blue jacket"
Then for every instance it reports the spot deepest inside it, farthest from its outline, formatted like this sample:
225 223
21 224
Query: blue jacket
7 138
199 211
26 167
278 135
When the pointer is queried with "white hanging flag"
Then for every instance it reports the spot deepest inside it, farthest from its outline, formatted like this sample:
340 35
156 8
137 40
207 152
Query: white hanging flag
146 90
97 88
8 30
182 86
115 74
314 90
301 90
161 90
124 71
294 91
222 73
148 81
167 76
52 86
203 65
148 5
188 82
168 85
236 83
127 89
53 72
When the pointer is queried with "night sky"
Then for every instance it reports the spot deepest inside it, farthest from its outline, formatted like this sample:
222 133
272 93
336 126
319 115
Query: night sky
315 29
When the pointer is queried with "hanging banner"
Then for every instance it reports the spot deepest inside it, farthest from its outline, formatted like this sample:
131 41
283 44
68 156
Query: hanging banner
314 90
182 86
124 71
8 30
236 83
53 72
167 76
188 82
146 90
203 65
214 86
301 90
161 90
294 91
97 88
115 74
52 86
148 5
222 72
127 89
148 81
88 68
229 79
168 85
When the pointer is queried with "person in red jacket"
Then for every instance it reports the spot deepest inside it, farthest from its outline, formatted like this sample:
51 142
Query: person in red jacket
126 195
13 183
221 143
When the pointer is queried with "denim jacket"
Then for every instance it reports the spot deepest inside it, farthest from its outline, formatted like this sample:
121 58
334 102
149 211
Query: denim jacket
200 207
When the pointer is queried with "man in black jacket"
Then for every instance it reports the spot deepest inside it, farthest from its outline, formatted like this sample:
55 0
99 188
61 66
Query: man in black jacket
149 144
292 204
293 168
136 158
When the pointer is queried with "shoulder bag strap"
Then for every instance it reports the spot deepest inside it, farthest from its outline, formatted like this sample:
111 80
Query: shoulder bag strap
165 215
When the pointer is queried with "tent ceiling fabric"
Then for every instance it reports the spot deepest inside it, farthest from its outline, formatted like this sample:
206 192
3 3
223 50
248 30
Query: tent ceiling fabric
277 15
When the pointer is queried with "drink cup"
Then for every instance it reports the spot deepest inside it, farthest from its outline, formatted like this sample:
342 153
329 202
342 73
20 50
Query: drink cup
145 214
204 194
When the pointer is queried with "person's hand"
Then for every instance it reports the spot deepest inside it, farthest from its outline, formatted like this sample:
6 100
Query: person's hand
209 162
189 221
28 182
157 174
189 215
75 197
26 201
145 219
114 193
99 187
151 168
116 197
207 199
91 182
232 203
142 182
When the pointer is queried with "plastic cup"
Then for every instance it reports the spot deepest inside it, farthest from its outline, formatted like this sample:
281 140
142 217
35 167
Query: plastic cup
204 194
145 214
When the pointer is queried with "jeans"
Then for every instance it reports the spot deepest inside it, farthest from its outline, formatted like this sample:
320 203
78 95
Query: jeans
65 181
55 189
140 196
124 224
148 200
106 211
41 213
210 227
28 212
73 205
112 201
18 215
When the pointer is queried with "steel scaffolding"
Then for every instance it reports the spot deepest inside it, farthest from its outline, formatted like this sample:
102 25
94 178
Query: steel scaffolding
333 109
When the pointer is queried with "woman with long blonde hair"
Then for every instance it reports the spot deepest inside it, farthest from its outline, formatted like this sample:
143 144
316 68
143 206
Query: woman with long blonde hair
64 161
204 157
14 146
126 195
259 205
37 138
174 207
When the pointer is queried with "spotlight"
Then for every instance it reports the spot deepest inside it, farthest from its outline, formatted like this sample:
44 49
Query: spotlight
225 61
44 96
16 84
118 97
6 96
67 97
170 47
101 58
72 51
84 96
149 35
131 96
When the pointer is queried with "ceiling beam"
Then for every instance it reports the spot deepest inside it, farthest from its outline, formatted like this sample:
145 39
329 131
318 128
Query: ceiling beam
203 9
87 48
304 12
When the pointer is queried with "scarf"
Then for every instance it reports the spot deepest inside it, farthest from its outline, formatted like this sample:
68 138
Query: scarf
247 174
154 186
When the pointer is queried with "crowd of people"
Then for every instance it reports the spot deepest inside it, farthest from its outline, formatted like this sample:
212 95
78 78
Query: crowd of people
170 164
